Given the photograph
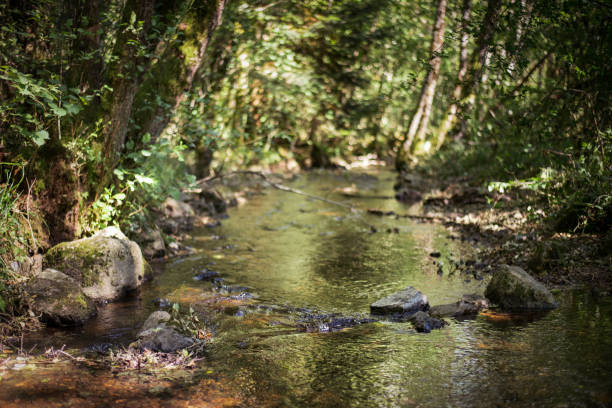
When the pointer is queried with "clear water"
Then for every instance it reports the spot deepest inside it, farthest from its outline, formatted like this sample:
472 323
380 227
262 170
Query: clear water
296 258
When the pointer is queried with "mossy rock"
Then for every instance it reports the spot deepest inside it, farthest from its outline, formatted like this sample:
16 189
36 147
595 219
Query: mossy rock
514 289
106 265
59 299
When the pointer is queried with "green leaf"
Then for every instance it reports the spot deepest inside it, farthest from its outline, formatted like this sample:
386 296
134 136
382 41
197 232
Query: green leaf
72 109
40 137
57 110
144 179
118 173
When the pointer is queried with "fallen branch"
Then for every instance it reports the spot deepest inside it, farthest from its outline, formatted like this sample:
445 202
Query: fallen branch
381 213
276 186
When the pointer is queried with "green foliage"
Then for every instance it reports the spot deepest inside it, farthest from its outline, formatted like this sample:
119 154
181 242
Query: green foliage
12 242
299 79
36 106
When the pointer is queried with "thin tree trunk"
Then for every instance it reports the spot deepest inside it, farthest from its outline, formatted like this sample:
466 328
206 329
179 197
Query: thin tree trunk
478 65
420 119
523 22
451 114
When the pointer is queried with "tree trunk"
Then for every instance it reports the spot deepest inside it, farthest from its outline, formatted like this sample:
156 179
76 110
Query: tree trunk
420 119
125 83
184 68
477 65
451 113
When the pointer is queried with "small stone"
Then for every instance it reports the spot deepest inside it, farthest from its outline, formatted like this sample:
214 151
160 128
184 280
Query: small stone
155 319
162 303
157 336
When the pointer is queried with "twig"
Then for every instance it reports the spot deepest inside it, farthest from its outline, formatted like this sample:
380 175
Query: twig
28 212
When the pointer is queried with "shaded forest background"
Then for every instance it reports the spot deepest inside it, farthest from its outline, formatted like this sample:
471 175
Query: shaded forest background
108 107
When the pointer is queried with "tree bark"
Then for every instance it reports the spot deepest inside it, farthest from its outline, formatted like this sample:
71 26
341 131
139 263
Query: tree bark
420 119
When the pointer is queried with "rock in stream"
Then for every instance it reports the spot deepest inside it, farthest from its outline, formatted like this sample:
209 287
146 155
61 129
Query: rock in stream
156 335
514 289
469 305
59 299
406 301
106 265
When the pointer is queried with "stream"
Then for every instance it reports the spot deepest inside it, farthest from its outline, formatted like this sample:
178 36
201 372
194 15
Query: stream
290 314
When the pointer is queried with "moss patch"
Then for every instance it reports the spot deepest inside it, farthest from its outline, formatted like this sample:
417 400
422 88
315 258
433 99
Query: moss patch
78 259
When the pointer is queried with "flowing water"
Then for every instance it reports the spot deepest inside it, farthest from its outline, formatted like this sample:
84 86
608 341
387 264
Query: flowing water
290 267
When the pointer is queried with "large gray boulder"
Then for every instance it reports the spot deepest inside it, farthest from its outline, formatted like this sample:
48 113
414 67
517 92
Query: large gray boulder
469 305
514 289
406 301
106 265
156 335
59 299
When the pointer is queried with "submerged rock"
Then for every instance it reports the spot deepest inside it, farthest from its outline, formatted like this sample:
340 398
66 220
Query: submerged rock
424 323
330 323
468 305
59 299
106 265
512 288
156 335
206 274
408 300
